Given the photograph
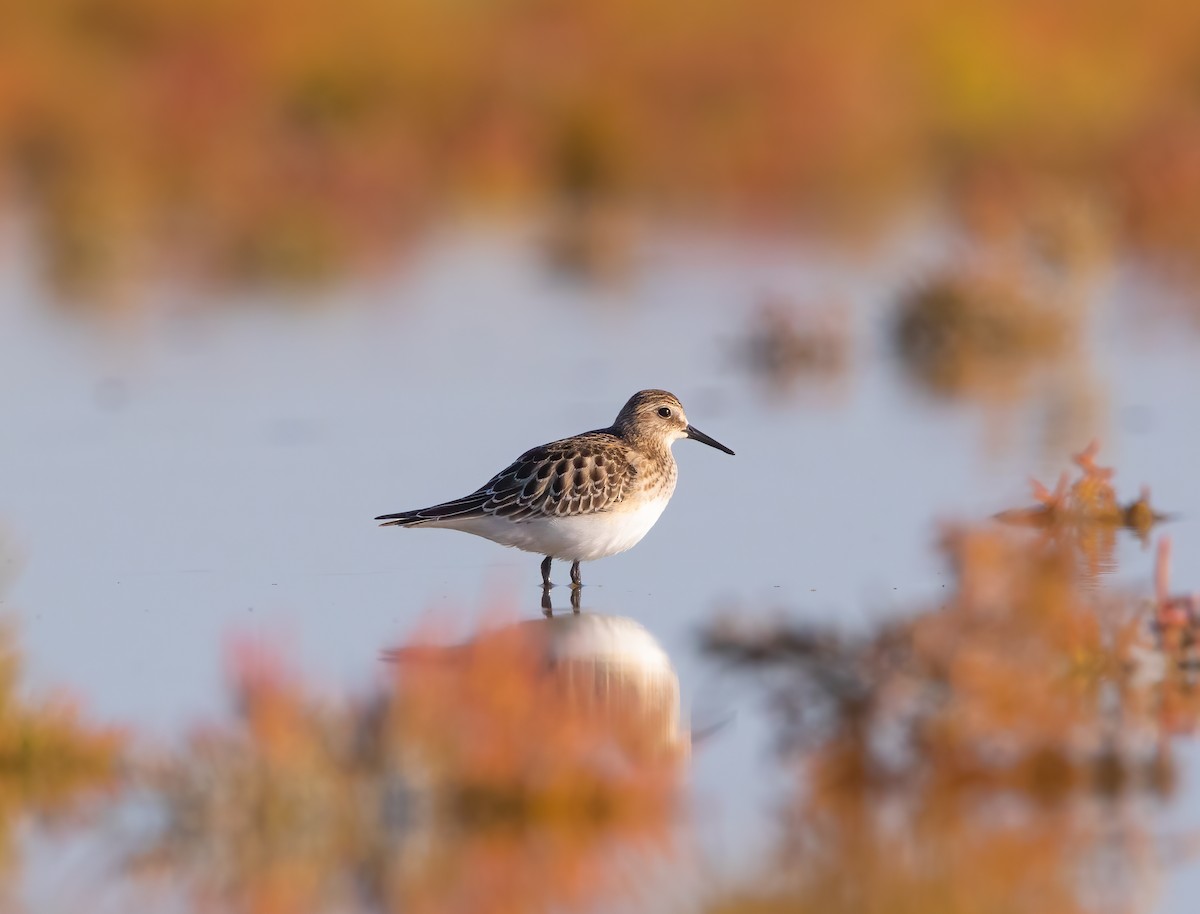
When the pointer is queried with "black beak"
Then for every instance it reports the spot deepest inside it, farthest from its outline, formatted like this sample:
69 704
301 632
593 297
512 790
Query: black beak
696 435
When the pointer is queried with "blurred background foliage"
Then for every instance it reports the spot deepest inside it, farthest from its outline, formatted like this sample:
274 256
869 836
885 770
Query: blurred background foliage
285 140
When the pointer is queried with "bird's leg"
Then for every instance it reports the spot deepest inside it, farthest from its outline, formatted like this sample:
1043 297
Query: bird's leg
547 606
546 571
575 598
576 579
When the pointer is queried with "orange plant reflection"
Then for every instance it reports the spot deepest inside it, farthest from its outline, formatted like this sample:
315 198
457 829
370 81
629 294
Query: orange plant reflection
982 753
53 762
533 756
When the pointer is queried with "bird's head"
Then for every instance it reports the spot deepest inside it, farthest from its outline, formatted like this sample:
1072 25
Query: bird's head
658 415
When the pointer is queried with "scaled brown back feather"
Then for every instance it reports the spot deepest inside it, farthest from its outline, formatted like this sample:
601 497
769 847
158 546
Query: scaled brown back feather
585 474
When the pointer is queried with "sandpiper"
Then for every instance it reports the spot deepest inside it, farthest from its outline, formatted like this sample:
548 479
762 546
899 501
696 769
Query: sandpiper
581 498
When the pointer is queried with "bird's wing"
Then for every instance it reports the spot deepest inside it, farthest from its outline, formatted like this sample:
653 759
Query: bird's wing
586 474
582 475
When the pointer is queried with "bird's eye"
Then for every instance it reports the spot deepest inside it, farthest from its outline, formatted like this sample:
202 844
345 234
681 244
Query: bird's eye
665 412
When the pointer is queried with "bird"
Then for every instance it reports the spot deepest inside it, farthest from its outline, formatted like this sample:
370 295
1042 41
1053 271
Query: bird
581 498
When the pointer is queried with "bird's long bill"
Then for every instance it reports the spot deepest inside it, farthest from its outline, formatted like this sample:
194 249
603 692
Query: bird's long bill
697 435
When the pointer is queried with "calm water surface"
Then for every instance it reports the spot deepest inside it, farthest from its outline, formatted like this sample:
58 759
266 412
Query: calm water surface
212 469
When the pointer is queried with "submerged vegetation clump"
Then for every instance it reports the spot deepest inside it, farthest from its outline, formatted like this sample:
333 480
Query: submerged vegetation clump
1090 499
786 344
980 332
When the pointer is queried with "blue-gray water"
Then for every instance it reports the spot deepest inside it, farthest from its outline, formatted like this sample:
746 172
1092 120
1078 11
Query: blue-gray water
199 469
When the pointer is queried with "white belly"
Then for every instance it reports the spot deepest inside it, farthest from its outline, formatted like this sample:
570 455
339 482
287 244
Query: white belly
583 538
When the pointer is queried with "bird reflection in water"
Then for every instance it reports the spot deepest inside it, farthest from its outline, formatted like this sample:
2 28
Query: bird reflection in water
539 757
599 666
548 604
548 752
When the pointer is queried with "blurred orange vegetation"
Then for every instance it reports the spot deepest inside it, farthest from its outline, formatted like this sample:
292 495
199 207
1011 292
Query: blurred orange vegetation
51 760
1087 512
985 752
268 138
533 777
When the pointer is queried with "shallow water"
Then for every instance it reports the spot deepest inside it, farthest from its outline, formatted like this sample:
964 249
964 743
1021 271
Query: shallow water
202 470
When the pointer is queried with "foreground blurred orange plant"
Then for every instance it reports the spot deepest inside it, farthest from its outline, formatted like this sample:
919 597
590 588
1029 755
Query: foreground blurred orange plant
529 767
957 755
51 760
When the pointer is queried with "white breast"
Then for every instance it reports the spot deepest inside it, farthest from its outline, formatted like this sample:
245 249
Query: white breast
582 538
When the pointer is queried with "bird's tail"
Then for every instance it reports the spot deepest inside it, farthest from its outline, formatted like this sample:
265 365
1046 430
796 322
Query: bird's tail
403 519
466 507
